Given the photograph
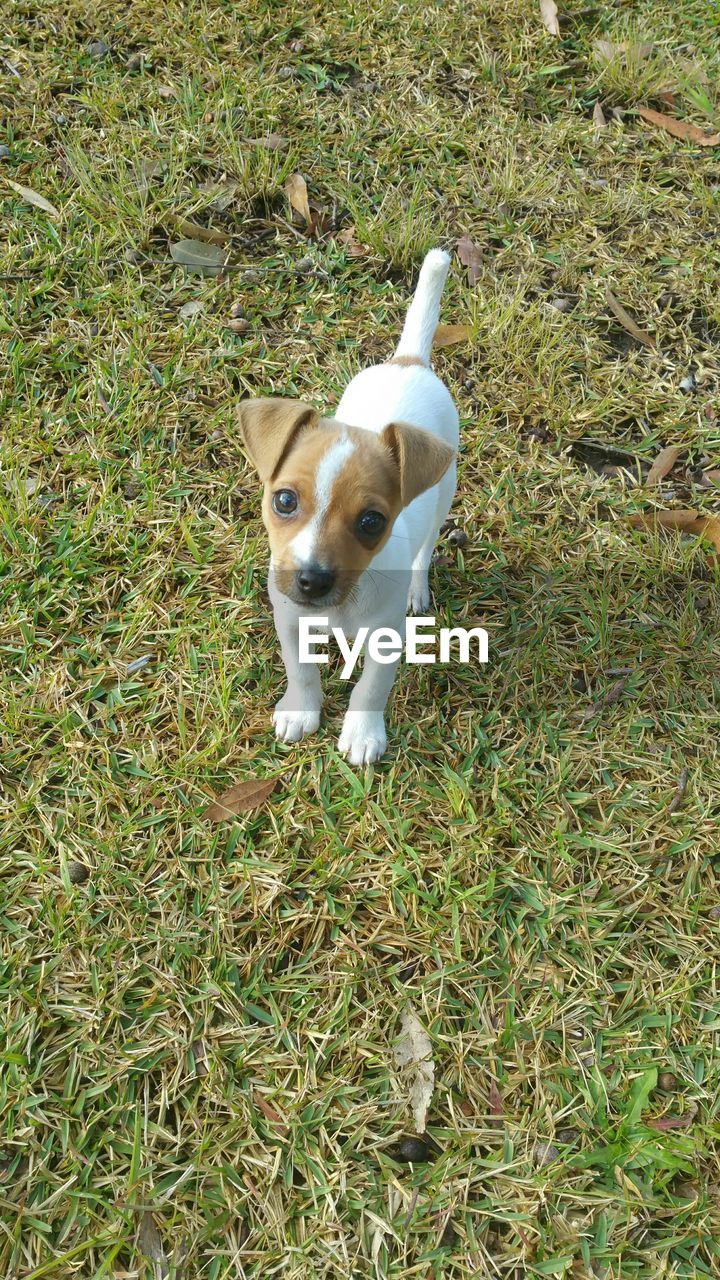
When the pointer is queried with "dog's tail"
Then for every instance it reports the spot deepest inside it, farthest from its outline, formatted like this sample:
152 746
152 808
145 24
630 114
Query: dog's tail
421 321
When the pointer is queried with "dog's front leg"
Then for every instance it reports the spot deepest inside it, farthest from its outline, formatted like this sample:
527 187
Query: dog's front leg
298 711
363 738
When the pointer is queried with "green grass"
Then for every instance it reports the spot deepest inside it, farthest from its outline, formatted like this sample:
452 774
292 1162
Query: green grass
197 1061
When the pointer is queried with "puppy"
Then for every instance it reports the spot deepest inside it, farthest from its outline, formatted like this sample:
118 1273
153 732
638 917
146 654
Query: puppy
353 505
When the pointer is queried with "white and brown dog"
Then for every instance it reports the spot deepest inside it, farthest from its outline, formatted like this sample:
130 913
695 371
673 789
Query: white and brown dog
353 505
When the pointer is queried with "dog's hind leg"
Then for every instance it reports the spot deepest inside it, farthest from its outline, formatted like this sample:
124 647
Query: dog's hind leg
419 592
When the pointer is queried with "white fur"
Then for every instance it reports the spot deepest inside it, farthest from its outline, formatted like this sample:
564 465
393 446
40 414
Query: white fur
397 578
306 546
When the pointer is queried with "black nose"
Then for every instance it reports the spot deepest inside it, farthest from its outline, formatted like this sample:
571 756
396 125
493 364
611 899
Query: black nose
314 582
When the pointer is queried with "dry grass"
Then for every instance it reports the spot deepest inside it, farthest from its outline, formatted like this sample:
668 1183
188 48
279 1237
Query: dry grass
197 1077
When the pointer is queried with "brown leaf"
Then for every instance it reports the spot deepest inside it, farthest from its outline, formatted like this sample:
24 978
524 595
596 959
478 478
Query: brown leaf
669 97
495 1099
194 231
663 1123
678 798
270 1114
470 255
297 193
627 321
447 335
354 248
271 142
599 116
34 198
713 476
685 519
664 463
680 128
607 699
606 50
549 15
199 1053
245 795
150 1243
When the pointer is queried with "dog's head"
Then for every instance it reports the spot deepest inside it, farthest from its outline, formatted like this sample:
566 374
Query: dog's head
332 493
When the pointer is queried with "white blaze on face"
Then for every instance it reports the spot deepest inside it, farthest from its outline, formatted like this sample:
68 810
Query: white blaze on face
305 546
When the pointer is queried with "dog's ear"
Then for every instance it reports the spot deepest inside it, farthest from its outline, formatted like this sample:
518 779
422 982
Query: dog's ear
269 429
420 458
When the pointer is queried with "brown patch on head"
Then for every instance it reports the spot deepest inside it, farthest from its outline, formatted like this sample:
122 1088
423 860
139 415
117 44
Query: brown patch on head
269 428
332 493
407 362
338 475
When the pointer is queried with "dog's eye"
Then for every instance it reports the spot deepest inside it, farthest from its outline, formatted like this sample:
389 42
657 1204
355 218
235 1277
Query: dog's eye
284 502
371 524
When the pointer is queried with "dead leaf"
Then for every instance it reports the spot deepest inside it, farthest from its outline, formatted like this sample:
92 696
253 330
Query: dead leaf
607 699
679 796
685 519
194 231
297 193
664 1123
669 97
196 255
190 309
414 1049
245 795
664 463
151 1245
599 116
199 1053
606 50
447 335
34 198
495 1098
470 255
168 93
271 142
549 15
627 321
713 476
354 248
680 128
270 1114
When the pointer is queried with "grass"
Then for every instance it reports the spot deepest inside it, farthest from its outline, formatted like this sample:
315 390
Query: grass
197 1075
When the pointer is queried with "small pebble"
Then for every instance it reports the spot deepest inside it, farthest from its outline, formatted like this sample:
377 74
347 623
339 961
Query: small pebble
688 384
305 264
561 304
135 62
667 1081
714 913
457 538
297 46
97 48
4 151
537 433
285 73
78 873
238 326
237 311
545 1153
443 562
134 257
412 1150
251 276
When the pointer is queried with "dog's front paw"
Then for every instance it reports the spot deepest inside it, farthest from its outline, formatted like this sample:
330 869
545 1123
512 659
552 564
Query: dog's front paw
292 721
363 738
418 601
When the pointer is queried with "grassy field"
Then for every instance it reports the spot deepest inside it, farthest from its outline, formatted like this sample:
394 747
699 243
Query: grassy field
197 1070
